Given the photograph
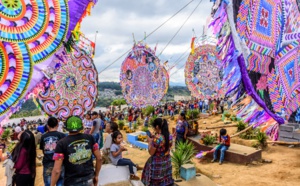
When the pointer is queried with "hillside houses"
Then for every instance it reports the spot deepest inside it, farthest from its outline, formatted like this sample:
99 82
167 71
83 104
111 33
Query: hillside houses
109 93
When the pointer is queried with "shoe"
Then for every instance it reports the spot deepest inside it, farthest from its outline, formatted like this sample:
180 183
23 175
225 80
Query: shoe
212 161
134 177
220 163
138 167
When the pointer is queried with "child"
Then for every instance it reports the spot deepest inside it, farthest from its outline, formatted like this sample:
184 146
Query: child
116 150
146 122
110 128
224 140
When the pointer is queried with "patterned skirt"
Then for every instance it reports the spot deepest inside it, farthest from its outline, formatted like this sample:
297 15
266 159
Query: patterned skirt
158 171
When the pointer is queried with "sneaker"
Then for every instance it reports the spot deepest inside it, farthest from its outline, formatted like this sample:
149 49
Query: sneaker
220 163
139 167
134 177
212 161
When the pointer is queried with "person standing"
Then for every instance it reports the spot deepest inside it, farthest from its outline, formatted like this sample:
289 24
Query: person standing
200 104
222 105
48 144
87 123
181 128
206 102
130 117
24 155
60 125
229 104
75 152
95 131
158 168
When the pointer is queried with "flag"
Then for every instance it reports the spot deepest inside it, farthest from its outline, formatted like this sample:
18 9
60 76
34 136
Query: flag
193 45
166 62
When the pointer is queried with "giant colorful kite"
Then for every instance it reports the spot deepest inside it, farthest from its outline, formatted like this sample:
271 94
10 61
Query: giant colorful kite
260 40
143 79
31 32
71 86
202 72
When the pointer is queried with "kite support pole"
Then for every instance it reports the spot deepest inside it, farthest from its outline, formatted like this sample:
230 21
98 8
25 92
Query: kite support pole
221 126
237 134
283 143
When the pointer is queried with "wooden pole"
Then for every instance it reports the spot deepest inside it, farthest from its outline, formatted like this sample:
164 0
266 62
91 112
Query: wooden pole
221 126
241 132
284 143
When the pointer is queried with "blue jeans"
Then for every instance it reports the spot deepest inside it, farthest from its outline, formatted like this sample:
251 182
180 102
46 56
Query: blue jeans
47 175
124 162
96 137
222 148
130 123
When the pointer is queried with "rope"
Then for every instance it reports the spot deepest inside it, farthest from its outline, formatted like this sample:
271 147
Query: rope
180 28
180 58
147 36
179 68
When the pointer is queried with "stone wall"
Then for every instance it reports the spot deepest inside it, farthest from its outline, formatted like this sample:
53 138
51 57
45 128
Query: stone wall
289 132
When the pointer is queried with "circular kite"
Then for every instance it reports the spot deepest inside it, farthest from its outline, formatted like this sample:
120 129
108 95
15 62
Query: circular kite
15 70
72 85
202 74
31 32
143 80
41 24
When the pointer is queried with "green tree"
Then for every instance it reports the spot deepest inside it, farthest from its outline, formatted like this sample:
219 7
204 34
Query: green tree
119 102
148 110
118 92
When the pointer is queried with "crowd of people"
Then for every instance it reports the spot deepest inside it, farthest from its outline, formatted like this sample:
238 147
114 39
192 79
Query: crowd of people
70 147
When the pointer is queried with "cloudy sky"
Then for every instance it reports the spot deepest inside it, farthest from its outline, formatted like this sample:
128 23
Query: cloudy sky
116 20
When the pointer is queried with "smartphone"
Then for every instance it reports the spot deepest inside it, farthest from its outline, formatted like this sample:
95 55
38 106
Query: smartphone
148 133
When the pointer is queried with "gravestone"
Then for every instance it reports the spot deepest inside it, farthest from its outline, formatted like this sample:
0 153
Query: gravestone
187 171
289 132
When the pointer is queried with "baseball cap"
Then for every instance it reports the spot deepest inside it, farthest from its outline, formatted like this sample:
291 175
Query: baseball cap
74 124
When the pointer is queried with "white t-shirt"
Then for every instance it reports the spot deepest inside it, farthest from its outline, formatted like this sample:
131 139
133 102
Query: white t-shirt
206 102
107 142
60 126
18 129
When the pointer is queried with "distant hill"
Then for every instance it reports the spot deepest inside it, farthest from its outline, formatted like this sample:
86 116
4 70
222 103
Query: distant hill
109 85
30 107
173 90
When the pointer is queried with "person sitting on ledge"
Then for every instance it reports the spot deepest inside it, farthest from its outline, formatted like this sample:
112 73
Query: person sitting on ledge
224 140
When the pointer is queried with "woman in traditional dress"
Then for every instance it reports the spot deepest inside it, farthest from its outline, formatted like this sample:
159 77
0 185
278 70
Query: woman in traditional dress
182 128
158 169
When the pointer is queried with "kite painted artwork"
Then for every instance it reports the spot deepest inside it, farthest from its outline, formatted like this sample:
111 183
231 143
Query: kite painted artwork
202 73
264 35
41 24
16 69
71 87
143 79
31 33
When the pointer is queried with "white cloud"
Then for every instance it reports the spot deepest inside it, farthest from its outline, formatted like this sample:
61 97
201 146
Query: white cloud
116 20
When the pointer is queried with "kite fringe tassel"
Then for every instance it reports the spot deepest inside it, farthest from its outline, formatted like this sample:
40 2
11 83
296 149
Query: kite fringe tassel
251 113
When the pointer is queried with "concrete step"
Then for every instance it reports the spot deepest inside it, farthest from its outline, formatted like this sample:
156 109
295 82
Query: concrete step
235 154
289 132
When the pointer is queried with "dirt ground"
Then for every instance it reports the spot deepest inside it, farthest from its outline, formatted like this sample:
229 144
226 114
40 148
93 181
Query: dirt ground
283 171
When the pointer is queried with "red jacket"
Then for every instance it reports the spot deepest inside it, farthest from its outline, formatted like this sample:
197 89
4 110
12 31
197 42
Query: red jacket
227 141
